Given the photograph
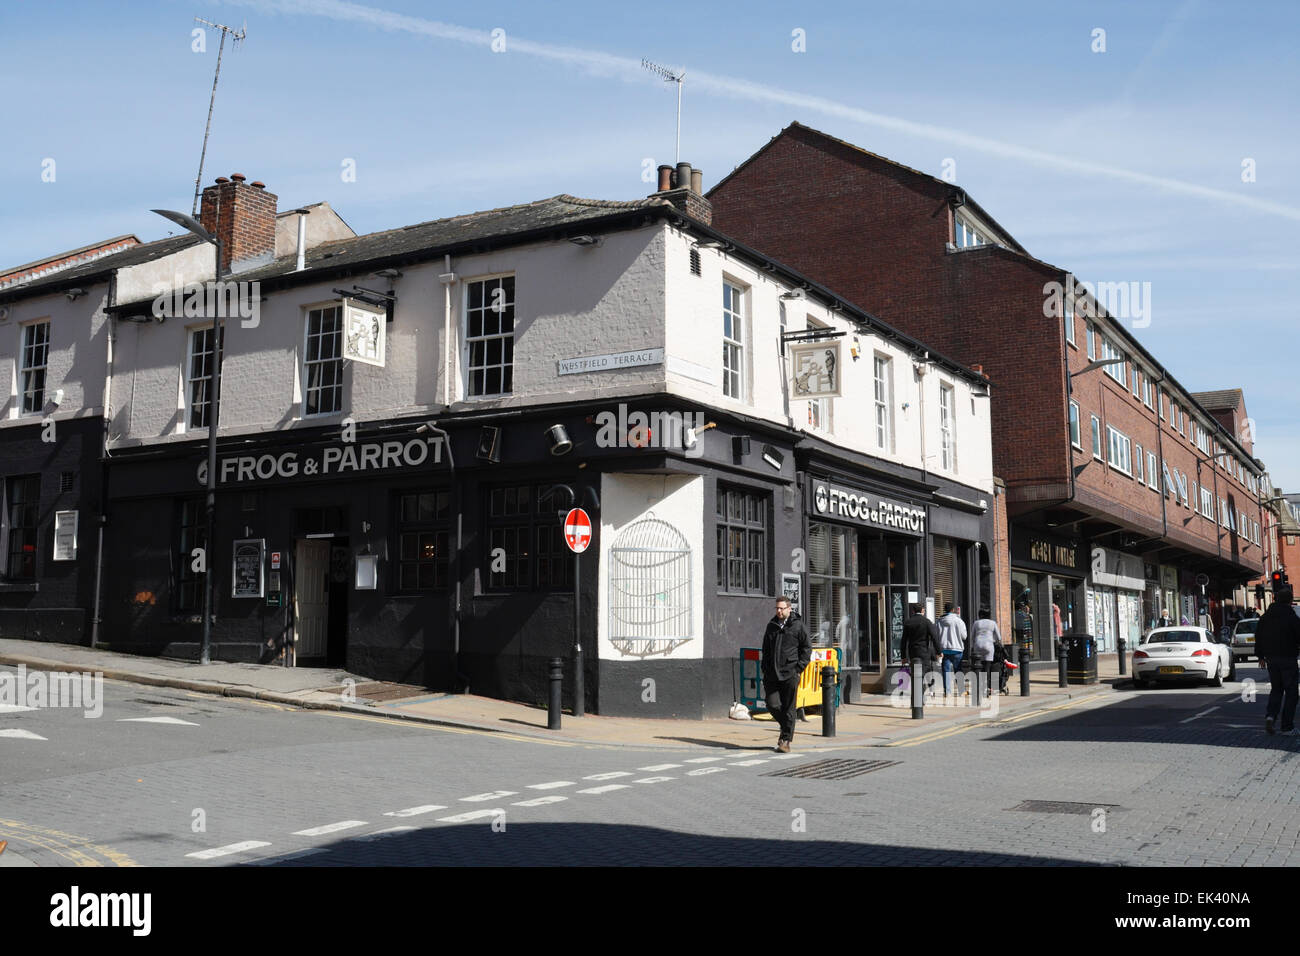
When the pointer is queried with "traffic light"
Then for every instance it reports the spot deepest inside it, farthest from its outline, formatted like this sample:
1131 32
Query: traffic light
1279 580
1259 592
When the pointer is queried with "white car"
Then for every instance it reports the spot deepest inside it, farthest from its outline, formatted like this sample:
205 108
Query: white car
1243 638
1180 653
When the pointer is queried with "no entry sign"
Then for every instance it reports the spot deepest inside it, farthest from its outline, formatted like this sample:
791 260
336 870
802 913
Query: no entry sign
577 530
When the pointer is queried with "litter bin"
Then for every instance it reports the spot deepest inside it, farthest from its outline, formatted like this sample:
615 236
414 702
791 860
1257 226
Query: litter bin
1081 658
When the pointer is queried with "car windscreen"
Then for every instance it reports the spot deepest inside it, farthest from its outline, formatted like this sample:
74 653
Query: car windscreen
1174 637
1246 627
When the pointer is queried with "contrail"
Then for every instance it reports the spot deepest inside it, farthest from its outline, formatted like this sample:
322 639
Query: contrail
629 70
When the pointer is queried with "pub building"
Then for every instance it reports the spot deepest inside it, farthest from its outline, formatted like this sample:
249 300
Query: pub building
406 422
1048 596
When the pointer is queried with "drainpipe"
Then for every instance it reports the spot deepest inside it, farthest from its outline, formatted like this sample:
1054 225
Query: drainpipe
302 240
103 467
1160 448
448 278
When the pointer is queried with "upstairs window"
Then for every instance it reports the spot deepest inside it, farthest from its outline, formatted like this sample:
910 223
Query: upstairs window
733 341
323 361
490 335
883 387
948 427
1075 440
1121 450
205 347
34 361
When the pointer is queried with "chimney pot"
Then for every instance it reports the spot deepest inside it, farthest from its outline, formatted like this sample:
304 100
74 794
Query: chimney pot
683 176
222 180
258 184
665 178
238 177
697 181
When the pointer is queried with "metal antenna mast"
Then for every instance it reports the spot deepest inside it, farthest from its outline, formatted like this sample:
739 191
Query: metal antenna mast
671 77
236 36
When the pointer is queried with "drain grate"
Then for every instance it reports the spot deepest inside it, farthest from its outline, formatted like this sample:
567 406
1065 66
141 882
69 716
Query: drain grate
1062 806
832 769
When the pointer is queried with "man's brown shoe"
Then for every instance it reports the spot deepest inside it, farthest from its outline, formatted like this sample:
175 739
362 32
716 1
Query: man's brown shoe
783 746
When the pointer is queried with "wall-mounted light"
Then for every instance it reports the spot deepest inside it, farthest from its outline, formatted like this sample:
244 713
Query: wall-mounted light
74 294
365 528
739 447
388 273
792 294
559 440
773 457
708 244
57 400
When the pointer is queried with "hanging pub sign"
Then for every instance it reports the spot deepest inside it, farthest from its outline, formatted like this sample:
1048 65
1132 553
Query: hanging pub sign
815 370
247 580
365 328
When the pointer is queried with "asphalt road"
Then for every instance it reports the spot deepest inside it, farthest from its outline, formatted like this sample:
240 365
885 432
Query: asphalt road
1173 775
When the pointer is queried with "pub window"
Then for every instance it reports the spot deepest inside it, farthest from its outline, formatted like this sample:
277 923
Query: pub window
205 346
323 362
423 540
22 496
35 359
743 524
191 533
525 536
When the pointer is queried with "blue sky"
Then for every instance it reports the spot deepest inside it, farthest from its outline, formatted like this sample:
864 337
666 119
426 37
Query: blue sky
1123 165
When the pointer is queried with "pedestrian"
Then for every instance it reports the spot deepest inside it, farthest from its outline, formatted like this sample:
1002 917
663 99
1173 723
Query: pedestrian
1277 642
786 652
921 639
985 641
952 641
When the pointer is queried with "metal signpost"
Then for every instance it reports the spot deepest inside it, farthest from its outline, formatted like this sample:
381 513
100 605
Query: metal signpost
577 535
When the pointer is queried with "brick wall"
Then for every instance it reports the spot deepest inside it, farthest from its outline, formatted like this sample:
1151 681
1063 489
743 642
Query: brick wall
242 216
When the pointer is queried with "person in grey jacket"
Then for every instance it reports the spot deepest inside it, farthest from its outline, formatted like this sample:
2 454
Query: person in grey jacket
952 639
985 642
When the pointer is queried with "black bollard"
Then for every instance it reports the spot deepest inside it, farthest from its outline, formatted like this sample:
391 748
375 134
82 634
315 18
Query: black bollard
976 672
918 692
828 702
1024 671
557 691
1121 645
1062 664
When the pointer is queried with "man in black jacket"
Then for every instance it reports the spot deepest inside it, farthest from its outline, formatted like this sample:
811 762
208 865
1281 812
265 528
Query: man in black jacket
1277 642
920 638
786 652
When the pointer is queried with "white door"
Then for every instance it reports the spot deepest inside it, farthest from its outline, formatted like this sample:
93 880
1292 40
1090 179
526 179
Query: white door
311 598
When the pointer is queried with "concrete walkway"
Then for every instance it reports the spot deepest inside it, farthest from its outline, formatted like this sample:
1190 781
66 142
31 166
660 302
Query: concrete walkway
874 721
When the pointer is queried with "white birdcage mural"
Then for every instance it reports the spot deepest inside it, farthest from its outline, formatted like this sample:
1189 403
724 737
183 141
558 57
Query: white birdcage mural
649 589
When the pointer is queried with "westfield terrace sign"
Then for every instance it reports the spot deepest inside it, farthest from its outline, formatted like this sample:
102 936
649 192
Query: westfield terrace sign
329 461
834 501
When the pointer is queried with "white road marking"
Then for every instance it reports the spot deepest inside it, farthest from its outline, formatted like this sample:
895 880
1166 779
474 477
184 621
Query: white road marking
156 720
749 763
227 850
540 801
494 795
310 851
20 734
13 708
704 760
655 768
415 811
1197 716
605 789
330 828
785 757
614 775
703 770
381 834
472 815
653 779
554 784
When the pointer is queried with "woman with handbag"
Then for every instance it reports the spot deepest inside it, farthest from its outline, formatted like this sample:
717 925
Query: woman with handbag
986 643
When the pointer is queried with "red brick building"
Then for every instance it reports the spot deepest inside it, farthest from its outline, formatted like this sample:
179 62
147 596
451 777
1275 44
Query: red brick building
1124 493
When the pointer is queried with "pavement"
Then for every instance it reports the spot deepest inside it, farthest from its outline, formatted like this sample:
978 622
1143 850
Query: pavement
874 721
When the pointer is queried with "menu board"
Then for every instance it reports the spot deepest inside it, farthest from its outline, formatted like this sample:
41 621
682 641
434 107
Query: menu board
246 571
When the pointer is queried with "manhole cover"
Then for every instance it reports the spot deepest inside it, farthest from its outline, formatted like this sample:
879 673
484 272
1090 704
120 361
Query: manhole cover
1062 806
832 769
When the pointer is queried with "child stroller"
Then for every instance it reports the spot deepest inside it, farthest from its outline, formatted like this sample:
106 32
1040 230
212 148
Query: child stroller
1005 666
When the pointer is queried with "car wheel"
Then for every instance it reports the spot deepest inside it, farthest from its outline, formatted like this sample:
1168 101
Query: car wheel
1217 680
1141 684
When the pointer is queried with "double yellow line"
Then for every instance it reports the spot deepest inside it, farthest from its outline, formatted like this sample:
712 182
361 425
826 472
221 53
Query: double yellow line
78 851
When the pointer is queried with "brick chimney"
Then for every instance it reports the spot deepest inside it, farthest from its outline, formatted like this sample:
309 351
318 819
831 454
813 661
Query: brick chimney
242 216
684 187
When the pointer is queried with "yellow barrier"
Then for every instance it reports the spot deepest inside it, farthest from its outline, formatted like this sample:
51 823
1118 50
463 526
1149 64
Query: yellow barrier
810 682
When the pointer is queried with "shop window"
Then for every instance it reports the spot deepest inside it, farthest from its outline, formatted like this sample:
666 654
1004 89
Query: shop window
423 540
743 531
191 533
945 574
525 536
832 585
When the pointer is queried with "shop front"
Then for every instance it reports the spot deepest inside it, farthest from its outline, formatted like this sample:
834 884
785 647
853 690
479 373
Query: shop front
871 555
1116 587
1047 593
